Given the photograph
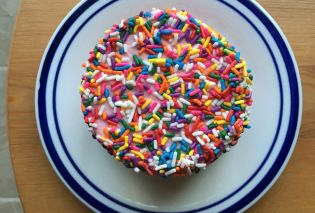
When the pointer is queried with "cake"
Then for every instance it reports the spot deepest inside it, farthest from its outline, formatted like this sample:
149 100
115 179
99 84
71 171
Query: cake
166 94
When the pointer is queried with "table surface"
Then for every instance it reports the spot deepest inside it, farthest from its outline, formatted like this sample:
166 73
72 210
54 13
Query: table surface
40 188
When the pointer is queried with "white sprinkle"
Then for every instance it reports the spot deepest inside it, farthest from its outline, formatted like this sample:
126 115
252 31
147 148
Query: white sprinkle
201 65
141 37
172 171
109 63
140 122
139 110
180 104
168 106
148 128
166 119
175 139
135 99
150 80
132 114
100 112
156 94
171 103
155 144
166 114
189 85
215 133
110 101
136 169
220 102
174 159
94 125
201 165
184 101
200 140
206 138
180 125
101 79
163 166
188 115
197 133
182 18
115 109
214 102
156 108
176 68
209 122
189 170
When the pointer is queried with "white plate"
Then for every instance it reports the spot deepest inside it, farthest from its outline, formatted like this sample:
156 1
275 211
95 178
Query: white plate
235 181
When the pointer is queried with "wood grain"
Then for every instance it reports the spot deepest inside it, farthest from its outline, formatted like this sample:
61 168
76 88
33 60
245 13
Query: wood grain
40 188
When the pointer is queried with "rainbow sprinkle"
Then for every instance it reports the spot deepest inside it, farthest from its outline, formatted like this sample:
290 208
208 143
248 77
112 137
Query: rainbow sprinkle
165 93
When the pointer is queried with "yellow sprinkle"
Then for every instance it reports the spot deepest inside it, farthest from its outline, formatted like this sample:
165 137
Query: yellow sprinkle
249 81
141 21
173 79
137 128
156 117
202 40
245 73
117 60
125 146
185 28
82 89
168 92
228 104
166 96
194 51
137 140
117 132
182 88
146 103
139 154
164 140
98 90
137 21
156 76
191 152
159 152
98 55
90 73
243 105
178 49
182 155
102 101
237 66
220 122
135 29
137 136
117 156
206 42
208 102
92 80
239 102
151 121
157 60
172 110
204 91
126 139
161 171
245 123
130 76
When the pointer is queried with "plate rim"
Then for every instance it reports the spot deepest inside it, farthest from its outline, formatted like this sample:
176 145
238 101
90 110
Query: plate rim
260 11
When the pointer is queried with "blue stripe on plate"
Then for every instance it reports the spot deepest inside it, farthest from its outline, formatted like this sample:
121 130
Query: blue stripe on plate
100 206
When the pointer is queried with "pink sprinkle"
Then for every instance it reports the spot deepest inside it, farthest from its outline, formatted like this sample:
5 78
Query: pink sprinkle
151 46
203 128
196 112
157 16
135 148
228 98
121 64
117 87
103 85
119 116
194 92
150 91
152 106
86 85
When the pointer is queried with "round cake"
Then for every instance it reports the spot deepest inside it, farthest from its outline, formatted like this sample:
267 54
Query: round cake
165 93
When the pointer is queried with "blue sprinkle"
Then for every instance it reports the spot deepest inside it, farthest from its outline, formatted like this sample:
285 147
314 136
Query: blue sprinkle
173 147
202 85
232 120
179 113
216 151
199 149
122 130
247 127
237 56
106 93
169 165
121 51
158 50
95 62
147 14
157 40
223 87
161 17
152 56
194 21
166 32
85 112
236 108
181 25
122 67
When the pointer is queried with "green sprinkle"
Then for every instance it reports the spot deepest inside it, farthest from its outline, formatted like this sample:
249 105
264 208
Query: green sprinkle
124 96
212 75
212 125
148 116
155 126
129 86
169 135
185 108
124 123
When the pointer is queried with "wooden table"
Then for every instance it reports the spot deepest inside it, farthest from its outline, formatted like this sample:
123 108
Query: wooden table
40 188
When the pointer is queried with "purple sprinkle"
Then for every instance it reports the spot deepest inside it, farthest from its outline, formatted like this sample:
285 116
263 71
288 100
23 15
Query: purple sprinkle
215 109
146 87
146 110
173 128
139 94
150 139
110 116
125 37
119 143
116 120
181 36
123 89
176 85
176 24
208 131
181 120
193 41
113 62
175 94
230 128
